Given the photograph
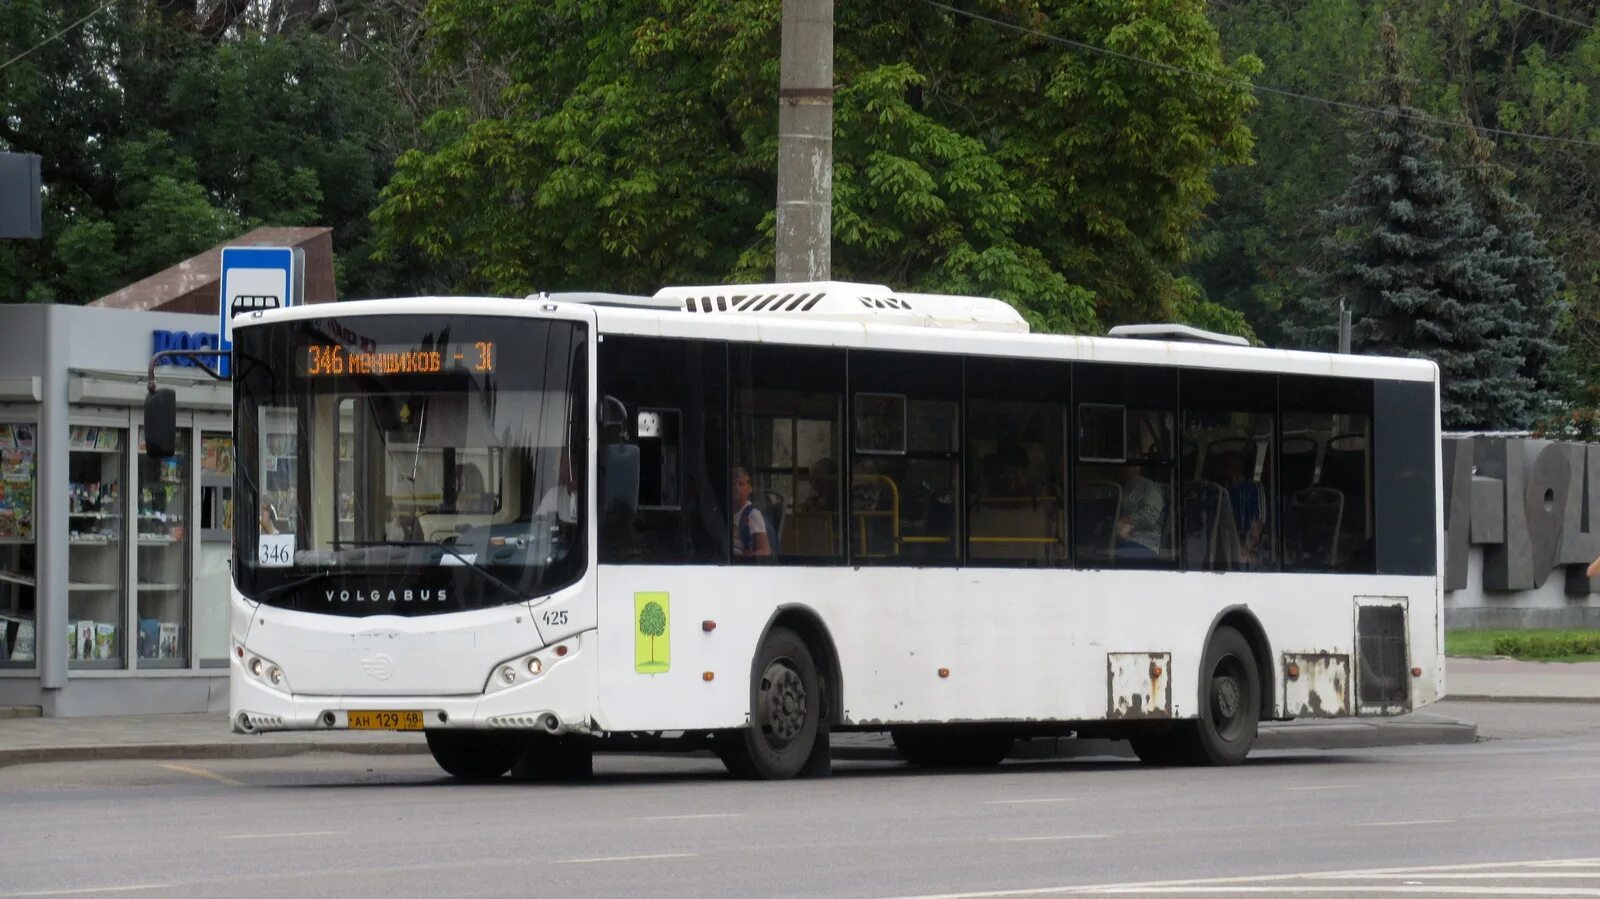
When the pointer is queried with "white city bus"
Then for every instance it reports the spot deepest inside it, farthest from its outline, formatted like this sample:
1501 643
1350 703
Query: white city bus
745 517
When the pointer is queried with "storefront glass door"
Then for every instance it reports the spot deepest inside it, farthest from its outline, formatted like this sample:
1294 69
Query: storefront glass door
96 519
18 603
212 576
162 560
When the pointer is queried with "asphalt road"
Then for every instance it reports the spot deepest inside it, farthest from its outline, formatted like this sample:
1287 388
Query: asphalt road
1513 813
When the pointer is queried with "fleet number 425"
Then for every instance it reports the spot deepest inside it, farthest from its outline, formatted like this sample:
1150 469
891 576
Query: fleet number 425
554 617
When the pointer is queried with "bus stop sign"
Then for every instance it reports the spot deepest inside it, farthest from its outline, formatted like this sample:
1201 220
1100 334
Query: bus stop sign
255 278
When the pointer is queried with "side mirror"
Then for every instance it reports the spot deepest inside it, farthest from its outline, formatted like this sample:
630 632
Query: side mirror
161 423
613 421
619 467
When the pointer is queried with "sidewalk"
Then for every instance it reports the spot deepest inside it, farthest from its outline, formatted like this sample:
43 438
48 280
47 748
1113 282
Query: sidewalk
1508 680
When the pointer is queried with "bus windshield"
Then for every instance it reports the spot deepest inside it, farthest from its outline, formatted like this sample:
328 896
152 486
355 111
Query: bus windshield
409 464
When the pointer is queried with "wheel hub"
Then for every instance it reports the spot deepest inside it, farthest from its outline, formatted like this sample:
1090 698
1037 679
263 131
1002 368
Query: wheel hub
783 698
1225 699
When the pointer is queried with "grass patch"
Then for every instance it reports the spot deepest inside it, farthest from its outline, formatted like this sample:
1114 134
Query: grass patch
1537 645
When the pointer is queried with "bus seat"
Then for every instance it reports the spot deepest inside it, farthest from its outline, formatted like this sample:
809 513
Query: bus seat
1099 505
1311 527
1210 537
1297 456
811 533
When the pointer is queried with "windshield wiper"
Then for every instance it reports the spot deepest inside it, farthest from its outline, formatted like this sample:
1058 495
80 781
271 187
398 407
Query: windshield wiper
285 587
468 561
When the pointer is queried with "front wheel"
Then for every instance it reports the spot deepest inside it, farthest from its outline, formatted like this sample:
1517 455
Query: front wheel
785 713
1230 706
473 755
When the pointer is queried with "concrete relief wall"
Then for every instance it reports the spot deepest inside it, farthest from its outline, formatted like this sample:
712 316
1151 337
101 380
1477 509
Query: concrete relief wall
1521 525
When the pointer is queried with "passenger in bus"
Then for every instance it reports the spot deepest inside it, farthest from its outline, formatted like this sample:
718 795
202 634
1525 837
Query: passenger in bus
1140 523
470 493
1249 512
823 480
749 525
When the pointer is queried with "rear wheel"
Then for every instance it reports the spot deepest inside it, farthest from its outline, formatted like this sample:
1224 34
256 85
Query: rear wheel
951 747
473 755
1230 704
785 713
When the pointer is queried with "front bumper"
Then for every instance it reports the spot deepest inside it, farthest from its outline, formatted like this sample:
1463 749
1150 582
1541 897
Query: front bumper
562 699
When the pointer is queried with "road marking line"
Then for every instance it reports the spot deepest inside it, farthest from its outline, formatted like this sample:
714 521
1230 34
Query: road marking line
129 888
1363 890
1405 823
274 836
1067 836
1029 801
1320 787
1238 883
1455 875
621 858
201 772
689 817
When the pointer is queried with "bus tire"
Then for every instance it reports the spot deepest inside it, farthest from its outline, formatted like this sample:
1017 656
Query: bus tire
785 713
550 759
473 755
1230 703
951 747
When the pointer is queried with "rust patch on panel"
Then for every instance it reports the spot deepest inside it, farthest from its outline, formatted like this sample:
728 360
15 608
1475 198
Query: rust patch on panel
1323 688
1138 685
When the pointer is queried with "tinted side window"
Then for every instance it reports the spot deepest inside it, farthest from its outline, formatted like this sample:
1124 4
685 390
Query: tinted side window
788 415
1227 473
1326 450
673 397
1125 467
1405 502
904 459
1016 462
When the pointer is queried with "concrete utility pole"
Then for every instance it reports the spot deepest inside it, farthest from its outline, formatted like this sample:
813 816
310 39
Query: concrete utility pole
805 142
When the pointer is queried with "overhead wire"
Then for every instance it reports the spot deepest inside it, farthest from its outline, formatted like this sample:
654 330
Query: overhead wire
103 7
1549 15
1257 88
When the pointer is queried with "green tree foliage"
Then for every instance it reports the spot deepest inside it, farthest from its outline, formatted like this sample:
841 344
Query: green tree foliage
1516 67
635 145
165 130
652 623
1523 260
1420 271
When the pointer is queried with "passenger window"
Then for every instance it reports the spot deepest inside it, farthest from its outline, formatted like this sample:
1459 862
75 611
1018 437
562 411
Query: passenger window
1016 462
905 459
1226 472
673 402
788 414
1125 472
1327 507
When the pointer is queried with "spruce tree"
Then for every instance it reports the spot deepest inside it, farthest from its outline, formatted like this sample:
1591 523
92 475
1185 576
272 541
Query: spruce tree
1535 278
1418 269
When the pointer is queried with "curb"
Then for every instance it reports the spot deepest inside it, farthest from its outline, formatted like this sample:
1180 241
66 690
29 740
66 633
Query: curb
48 754
1280 737
1488 697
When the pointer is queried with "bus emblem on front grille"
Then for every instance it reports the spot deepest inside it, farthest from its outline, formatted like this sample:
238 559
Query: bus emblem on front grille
379 666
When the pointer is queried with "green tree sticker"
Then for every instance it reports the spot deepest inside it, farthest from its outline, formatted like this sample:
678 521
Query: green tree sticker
652 643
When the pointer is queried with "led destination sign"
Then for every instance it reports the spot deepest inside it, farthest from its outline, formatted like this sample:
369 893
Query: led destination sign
319 360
